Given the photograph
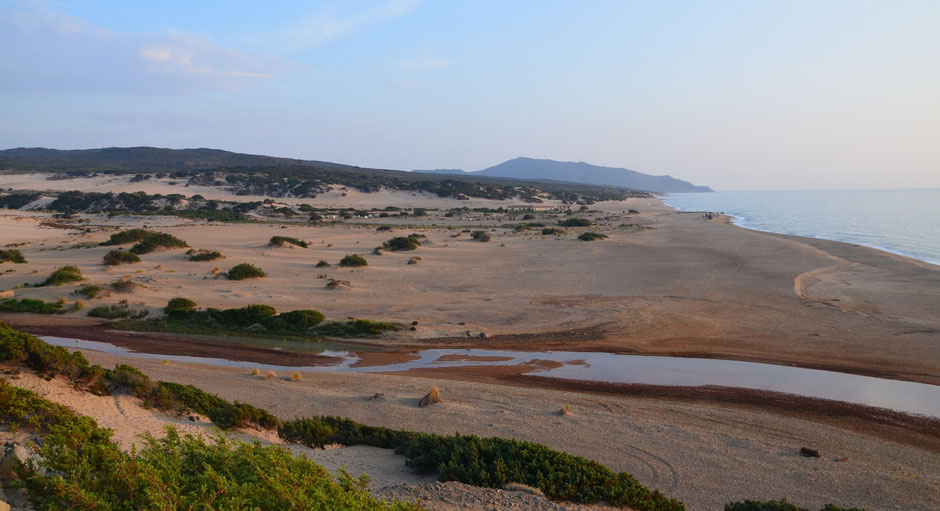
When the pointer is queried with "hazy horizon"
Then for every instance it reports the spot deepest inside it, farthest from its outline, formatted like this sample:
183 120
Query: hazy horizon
733 95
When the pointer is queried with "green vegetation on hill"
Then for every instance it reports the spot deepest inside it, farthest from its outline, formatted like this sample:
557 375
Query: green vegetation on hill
183 317
592 236
203 255
279 241
489 462
402 243
245 271
157 241
353 260
30 305
118 257
575 222
128 236
782 505
63 275
14 256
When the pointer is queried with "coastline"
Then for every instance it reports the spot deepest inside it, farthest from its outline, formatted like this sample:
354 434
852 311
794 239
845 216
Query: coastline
742 222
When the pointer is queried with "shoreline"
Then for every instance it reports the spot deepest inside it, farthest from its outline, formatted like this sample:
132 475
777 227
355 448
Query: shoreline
742 222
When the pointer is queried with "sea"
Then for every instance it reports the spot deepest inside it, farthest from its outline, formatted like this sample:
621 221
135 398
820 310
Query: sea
905 222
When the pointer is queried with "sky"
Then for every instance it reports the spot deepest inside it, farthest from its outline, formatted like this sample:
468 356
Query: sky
737 95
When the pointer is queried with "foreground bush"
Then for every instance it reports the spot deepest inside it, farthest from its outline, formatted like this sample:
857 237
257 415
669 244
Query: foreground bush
157 241
245 271
279 241
575 222
353 260
30 305
80 467
48 360
116 257
489 462
13 256
63 275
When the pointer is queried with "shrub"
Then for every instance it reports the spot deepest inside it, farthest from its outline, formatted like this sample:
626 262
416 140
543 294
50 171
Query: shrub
204 255
116 257
591 236
179 306
22 348
353 260
63 275
382 228
110 312
78 305
575 222
91 291
480 235
245 271
489 462
322 263
156 241
633 212
302 319
12 255
29 305
402 243
129 236
242 317
124 285
279 241
550 231
356 327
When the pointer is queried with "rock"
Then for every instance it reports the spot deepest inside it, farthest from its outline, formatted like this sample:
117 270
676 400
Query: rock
433 398
13 455
809 453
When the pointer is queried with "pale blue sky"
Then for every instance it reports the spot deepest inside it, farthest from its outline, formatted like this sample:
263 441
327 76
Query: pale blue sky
733 94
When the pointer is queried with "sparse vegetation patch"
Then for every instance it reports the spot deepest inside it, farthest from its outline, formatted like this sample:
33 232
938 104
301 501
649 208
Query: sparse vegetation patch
353 260
63 275
592 236
118 257
279 241
14 256
245 271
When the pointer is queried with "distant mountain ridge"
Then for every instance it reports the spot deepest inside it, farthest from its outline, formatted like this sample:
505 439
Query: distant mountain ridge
579 172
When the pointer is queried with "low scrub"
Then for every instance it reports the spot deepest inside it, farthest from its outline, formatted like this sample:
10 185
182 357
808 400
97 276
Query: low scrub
353 260
173 472
592 236
124 285
22 348
489 462
117 311
575 222
157 241
552 231
63 275
30 305
203 255
401 243
92 291
279 241
117 257
13 256
180 307
480 235
245 271
129 236
182 317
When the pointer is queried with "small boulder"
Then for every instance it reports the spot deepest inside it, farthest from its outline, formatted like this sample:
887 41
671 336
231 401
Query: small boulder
433 398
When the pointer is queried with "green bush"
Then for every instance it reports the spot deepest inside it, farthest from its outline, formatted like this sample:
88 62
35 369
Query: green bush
204 255
129 236
29 305
22 348
301 319
356 327
279 241
321 263
116 257
12 255
91 291
156 241
551 231
402 243
63 275
489 462
174 472
179 306
591 236
353 260
245 271
110 312
575 222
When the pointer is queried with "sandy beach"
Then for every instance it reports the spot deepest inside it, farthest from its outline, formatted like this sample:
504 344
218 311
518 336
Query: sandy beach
663 283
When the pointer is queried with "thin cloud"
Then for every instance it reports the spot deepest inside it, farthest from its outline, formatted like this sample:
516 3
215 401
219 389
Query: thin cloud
330 23
423 63
43 50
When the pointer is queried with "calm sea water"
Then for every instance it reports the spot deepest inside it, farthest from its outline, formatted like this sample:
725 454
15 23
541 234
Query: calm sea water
905 222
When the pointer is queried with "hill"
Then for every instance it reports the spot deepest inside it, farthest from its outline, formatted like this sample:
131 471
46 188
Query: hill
249 174
580 172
